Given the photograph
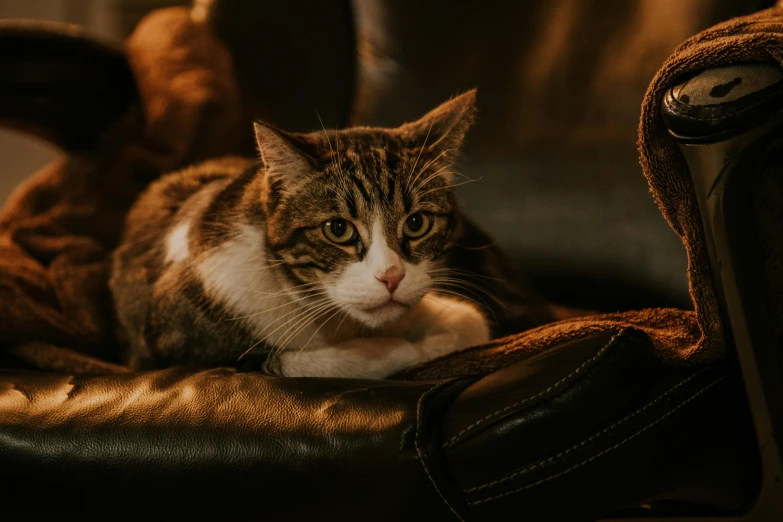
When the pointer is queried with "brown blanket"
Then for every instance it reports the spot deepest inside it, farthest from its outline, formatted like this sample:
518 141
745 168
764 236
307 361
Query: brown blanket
58 229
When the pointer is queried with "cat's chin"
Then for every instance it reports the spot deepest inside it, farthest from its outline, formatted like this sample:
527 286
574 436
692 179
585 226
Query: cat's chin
382 315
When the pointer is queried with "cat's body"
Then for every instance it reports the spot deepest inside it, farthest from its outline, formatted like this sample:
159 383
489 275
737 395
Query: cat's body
322 261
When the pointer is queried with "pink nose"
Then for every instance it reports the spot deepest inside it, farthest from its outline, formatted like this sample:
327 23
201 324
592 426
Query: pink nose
391 278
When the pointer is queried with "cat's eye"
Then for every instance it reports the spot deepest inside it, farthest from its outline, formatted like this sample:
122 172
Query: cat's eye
339 231
417 225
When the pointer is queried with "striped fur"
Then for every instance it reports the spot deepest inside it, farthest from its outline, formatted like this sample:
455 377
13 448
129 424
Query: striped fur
232 258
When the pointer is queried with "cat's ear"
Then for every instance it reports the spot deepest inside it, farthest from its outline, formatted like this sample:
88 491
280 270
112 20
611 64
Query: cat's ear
444 127
282 158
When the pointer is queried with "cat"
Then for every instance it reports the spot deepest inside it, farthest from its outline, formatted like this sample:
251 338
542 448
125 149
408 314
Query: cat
322 259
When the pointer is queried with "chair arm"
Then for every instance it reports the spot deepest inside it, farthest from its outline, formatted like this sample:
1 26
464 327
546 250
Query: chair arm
59 84
727 121
721 103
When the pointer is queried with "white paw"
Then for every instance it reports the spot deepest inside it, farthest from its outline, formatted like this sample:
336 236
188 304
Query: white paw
374 358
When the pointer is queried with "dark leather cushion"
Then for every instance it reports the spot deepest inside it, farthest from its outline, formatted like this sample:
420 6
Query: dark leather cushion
600 419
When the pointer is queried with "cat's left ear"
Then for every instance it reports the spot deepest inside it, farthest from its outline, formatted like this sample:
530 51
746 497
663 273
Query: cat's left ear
282 156
443 128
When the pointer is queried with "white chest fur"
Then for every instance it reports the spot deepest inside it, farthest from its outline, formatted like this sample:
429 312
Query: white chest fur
238 275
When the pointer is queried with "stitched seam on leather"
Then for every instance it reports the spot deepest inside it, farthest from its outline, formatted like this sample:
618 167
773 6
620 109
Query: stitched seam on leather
555 387
604 452
550 460
420 452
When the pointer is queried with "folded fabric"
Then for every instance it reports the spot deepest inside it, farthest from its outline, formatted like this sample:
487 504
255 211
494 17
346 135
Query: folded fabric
58 229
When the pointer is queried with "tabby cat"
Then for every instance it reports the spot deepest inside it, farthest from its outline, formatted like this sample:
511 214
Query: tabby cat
319 260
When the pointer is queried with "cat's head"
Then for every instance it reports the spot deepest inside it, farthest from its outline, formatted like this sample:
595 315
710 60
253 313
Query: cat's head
363 216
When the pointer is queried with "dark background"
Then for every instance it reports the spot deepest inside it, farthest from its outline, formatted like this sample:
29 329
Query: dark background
560 86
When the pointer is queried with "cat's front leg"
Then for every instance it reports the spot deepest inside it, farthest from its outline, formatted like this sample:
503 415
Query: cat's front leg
370 358
435 327
441 325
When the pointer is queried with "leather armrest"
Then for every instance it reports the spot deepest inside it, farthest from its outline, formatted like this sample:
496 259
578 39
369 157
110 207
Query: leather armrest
585 429
723 102
60 85
728 123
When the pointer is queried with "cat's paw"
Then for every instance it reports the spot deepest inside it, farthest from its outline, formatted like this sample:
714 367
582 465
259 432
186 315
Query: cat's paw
373 358
441 316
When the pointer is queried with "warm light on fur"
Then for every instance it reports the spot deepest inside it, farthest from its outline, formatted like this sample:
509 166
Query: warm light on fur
230 258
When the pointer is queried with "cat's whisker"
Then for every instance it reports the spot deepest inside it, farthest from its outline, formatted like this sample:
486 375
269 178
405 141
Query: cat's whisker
307 307
461 175
267 267
427 166
267 310
321 326
479 299
255 269
343 177
242 356
306 310
281 293
334 335
448 291
464 297
433 176
331 149
450 186
424 145
292 289
441 303
469 285
483 247
436 158
302 294
290 334
423 184
468 273
301 312
326 135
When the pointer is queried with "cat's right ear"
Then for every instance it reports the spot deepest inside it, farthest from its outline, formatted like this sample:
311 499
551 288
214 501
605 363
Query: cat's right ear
282 160
444 127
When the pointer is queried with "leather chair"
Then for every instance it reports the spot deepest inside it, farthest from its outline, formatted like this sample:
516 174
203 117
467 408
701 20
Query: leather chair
595 428
728 123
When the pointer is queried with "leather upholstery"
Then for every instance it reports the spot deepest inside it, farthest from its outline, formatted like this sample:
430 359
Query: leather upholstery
600 419
728 123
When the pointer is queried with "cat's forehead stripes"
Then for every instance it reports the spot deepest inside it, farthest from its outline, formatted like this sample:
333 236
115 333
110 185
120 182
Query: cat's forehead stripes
371 172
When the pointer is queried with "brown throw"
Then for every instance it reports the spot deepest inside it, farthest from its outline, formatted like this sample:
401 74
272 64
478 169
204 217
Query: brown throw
57 230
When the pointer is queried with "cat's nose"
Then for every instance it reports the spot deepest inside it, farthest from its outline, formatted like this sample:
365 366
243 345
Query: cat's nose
391 279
